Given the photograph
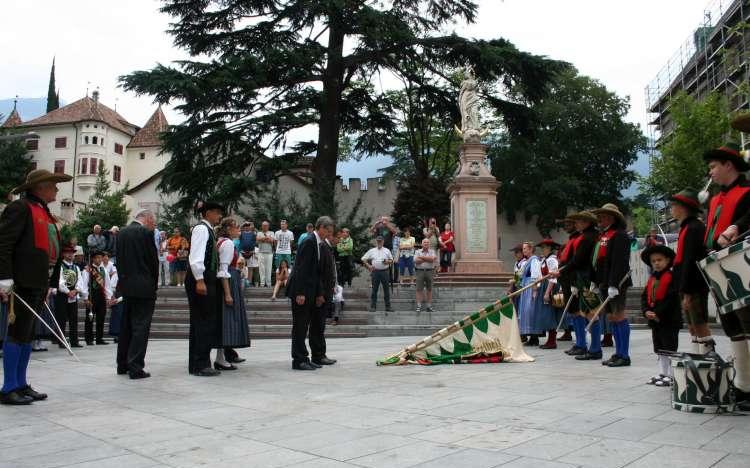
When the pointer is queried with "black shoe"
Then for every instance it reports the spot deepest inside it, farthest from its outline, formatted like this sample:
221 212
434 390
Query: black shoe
589 356
89 343
303 366
619 362
207 372
577 352
76 345
315 364
220 367
388 309
324 361
236 360
611 358
31 393
141 374
101 342
122 371
15 398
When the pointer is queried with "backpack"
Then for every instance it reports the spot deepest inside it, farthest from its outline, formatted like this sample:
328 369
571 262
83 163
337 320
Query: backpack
247 242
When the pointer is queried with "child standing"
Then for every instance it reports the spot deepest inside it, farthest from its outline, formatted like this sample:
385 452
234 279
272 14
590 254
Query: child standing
660 304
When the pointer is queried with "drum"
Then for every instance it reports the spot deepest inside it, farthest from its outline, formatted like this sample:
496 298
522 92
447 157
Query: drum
727 273
702 383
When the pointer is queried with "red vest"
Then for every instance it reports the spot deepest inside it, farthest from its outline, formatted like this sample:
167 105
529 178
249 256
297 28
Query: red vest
601 246
680 245
44 238
721 212
654 295
570 248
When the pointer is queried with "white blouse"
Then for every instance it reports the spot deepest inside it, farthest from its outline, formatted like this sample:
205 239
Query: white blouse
226 254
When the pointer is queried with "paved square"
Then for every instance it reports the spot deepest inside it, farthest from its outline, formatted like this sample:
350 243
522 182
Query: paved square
555 412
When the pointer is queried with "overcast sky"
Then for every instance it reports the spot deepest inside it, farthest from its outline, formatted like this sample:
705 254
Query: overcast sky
621 43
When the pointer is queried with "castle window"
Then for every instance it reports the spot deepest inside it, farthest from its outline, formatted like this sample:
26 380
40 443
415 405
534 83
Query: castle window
60 166
32 145
87 125
102 141
92 166
116 173
118 148
86 139
83 165
143 155
95 140
61 142
33 165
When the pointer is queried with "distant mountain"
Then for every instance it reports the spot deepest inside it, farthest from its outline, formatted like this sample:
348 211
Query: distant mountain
28 108
642 167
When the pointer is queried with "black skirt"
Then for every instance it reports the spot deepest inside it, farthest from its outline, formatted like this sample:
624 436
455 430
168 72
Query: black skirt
235 333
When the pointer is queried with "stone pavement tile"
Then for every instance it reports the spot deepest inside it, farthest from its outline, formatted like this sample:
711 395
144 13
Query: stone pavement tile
685 435
214 452
288 431
575 404
678 456
640 410
221 416
502 438
323 463
672 415
243 428
362 418
526 462
405 456
734 461
517 416
732 441
124 461
608 453
361 447
468 458
631 429
72 455
335 435
452 432
415 426
738 421
581 423
551 446
50 443
271 459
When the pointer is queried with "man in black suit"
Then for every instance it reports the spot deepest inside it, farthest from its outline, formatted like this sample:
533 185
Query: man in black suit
305 289
138 273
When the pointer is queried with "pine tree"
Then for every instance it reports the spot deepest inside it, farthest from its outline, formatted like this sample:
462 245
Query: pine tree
105 208
53 98
261 70
15 163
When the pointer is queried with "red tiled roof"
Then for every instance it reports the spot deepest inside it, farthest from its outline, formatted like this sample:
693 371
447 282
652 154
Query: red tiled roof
149 134
13 120
84 110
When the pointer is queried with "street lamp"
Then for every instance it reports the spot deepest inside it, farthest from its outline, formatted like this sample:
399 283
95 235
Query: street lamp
19 136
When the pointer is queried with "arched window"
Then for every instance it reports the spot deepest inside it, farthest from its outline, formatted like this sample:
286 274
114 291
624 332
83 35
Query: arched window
94 140
86 140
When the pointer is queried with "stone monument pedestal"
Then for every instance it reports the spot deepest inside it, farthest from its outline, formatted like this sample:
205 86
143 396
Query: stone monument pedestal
474 213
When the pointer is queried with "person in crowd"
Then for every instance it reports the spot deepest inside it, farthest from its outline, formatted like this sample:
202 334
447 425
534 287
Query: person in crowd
282 277
653 238
611 260
387 230
393 271
446 248
96 240
138 279
68 292
115 311
432 233
179 247
306 291
527 305
205 299
515 283
42 333
328 279
247 240
79 259
29 265
377 260
114 231
345 249
266 241
242 267
97 292
565 279
308 231
284 242
406 255
547 316
660 304
234 326
253 265
164 264
425 260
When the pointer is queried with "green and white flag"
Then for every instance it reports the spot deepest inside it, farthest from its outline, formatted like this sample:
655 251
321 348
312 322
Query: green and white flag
490 335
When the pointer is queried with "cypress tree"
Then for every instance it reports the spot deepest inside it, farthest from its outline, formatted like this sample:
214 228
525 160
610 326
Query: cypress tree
53 98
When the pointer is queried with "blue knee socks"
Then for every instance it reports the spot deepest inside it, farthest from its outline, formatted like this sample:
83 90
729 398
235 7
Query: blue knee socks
579 326
623 338
23 364
596 337
11 358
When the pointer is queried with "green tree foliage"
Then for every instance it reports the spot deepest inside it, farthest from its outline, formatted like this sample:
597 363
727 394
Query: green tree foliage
105 208
577 158
173 216
53 97
15 163
262 69
698 126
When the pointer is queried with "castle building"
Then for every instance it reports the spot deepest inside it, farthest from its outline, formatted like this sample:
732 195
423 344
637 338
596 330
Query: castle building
86 135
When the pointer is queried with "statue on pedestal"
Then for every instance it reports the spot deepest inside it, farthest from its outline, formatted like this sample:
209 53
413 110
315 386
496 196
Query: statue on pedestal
468 103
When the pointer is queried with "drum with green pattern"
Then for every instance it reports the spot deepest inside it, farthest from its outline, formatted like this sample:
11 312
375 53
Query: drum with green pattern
727 273
702 385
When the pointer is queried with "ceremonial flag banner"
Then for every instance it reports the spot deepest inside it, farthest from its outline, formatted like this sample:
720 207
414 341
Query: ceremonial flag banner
490 335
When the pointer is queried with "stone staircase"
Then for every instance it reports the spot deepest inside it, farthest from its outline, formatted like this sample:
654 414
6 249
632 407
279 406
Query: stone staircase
452 300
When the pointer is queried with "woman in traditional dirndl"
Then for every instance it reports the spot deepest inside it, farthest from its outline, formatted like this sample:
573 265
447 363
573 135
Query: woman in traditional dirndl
548 316
528 304
235 333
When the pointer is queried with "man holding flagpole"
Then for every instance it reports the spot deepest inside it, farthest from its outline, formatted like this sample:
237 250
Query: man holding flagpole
29 266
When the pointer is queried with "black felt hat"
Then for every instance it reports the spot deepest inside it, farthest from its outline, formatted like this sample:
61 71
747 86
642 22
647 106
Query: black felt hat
662 249
203 206
728 152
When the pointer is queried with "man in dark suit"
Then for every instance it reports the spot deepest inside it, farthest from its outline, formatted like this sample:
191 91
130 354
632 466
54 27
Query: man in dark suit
138 273
305 289
328 283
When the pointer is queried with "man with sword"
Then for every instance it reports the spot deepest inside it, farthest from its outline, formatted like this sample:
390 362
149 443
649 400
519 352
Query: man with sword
29 266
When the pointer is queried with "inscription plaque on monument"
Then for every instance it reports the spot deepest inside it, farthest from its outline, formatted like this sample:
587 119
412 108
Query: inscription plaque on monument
476 226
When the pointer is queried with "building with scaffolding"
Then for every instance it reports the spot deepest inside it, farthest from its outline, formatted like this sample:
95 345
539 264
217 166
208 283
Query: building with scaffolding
716 57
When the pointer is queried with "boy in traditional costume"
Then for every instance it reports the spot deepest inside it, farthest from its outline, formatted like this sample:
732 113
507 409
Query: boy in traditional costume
97 292
69 291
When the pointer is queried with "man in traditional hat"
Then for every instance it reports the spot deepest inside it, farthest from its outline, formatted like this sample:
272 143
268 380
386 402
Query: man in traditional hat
691 286
727 218
565 278
611 262
69 290
201 286
29 267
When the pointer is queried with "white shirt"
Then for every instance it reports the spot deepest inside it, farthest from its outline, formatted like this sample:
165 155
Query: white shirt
110 269
265 247
226 254
253 262
425 265
284 241
198 239
63 288
378 257
552 265
86 278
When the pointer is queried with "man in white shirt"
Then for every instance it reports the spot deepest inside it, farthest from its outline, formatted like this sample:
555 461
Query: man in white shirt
424 262
378 260
284 238
265 241
97 292
68 291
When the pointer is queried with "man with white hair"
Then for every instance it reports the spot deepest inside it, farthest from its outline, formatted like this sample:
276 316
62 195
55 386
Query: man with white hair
138 276
96 240
112 244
